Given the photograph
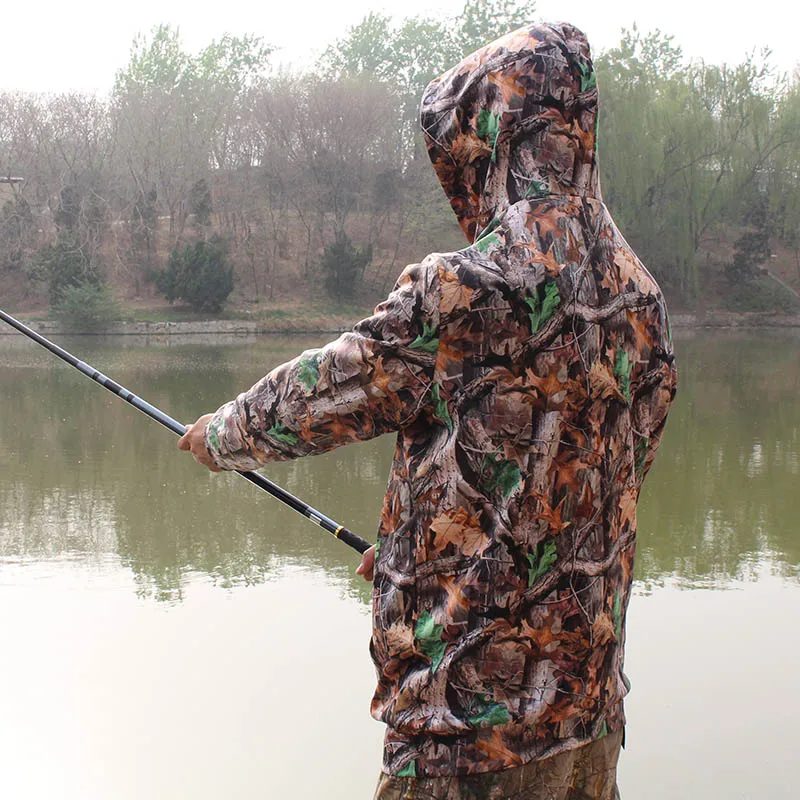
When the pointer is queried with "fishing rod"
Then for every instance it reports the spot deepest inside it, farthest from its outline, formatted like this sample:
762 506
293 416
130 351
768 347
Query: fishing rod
317 517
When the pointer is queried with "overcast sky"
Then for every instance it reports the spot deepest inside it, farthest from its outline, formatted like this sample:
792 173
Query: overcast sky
58 46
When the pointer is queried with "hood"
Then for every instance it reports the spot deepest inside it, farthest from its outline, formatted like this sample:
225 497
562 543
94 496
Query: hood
514 120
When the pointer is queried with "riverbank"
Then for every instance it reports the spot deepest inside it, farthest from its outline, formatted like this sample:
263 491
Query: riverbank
234 327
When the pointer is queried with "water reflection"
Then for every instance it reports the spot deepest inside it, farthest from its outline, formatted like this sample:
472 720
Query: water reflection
82 473
720 502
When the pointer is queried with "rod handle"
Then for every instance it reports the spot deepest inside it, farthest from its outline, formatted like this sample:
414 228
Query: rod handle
352 539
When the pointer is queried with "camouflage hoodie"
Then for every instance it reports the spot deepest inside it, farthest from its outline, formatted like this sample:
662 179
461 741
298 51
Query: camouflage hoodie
528 377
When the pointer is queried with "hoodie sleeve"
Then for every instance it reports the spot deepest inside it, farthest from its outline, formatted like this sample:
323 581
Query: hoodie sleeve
370 381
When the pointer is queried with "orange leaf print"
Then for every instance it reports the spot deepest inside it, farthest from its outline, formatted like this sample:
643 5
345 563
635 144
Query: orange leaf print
457 598
552 515
603 629
454 293
460 529
495 749
467 147
602 383
508 85
400 640
627 505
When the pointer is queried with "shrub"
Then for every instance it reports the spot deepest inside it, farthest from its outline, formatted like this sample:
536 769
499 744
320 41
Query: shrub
87 307
200 275
66 264
343 264
762 294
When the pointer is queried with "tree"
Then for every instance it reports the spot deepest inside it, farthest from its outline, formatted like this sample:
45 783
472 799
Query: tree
66 263
200 274
177 113
481 21
343 265
16 232
407 55
683 148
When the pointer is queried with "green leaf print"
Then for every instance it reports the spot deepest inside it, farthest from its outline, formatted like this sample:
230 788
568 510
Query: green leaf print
440 410
409 770
489 128
542 310
603 731
428 340
616 615
588 77
308 370
485 242
541 562
538 189
213 430
622 369
491 714
283 435
430 639
499 474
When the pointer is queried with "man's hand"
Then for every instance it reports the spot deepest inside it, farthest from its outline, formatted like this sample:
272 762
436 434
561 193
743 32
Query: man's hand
367 565
193 442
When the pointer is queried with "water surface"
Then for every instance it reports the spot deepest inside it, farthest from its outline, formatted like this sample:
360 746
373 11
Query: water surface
171 633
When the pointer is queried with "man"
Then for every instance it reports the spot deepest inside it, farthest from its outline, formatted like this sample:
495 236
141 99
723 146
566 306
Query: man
529 377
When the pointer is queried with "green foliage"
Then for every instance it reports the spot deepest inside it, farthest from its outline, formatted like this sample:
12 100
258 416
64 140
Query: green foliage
489 128
87 307
480 21
684 145
429 636
616 615
428 340
760 295
308 370
751 250
497 474
386 189
541 561
65 264
343 265
440 409
407 55
200 275
538 189
622 369
486 713
486 241
200 203
543 305
16 229
282 435
409 770
689 150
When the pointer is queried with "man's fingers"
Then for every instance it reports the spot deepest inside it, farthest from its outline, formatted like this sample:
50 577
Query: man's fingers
193 442
367 565
183 442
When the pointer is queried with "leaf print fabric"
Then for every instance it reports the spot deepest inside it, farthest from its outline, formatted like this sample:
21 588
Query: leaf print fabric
529 377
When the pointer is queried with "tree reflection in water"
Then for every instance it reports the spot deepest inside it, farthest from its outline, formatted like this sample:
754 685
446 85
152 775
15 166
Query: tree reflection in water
84 476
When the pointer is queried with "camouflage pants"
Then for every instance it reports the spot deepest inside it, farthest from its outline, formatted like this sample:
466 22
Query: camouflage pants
587 773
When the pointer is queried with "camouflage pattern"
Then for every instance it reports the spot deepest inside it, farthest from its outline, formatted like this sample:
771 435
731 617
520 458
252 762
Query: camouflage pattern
529 376
584 773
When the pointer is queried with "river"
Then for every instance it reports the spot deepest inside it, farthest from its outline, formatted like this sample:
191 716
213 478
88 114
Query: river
169 633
